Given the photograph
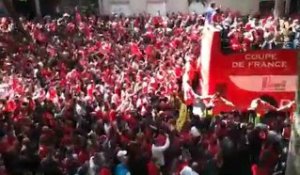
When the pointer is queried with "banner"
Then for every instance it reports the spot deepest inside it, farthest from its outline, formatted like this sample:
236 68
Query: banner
183 116
242 77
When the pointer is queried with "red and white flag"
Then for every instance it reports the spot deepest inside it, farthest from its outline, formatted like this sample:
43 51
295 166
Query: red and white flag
52 95
135 49
220 104
261 107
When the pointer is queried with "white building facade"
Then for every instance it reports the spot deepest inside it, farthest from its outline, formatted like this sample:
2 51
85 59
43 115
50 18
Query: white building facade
130 7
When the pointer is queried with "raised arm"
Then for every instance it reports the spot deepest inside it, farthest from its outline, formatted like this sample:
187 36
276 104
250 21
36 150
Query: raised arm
162 148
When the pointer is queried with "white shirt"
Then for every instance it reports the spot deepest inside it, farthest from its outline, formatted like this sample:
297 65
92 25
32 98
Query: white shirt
188 171
158 152
92 166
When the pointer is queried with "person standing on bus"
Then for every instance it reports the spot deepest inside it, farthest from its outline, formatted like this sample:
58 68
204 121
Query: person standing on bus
216 18
210 11
236 38
296 30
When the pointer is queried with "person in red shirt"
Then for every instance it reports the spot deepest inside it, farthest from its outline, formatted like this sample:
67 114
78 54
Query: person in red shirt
267 160
217 17
236 38
105 171
152 168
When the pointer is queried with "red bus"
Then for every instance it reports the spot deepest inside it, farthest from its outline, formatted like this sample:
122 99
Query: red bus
243 77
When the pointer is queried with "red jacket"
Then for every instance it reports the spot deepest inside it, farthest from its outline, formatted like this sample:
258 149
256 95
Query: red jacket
152 168
268 160
105 171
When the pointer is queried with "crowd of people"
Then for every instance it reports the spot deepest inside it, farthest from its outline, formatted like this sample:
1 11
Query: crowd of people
91 95
244 33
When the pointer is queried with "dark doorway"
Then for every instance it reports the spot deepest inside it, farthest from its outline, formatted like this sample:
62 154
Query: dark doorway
295 6
48 6
25 8
266 7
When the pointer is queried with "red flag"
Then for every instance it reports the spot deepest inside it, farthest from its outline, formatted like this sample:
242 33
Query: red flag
176 43
39 36
15 83
220 104
194 37
178 71
70 27
261 107
10 106
90 90
52 95
16 86
135 49
189 94
78 17
149 51
53 27
290 108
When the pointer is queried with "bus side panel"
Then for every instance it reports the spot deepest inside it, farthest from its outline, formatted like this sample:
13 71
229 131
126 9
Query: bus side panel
242 77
